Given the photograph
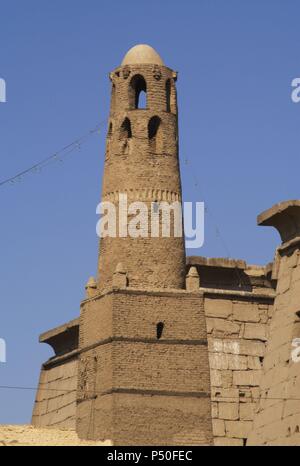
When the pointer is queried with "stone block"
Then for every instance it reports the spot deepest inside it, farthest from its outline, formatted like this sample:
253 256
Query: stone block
248 378
225 394
226 379
236 362
218 427
215 378
222 326
252 348
245 312
247 411
229 411
221 308
255 332
238 429
228 442
218 361
254 363
214 410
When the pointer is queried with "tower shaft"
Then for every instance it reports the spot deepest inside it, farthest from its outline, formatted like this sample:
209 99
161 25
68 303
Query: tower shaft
142 163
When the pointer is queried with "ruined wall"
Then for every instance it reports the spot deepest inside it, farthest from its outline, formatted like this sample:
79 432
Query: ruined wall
237 329
55 404
277 420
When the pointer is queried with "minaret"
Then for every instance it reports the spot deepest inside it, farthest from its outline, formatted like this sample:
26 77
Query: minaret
143 373
142 162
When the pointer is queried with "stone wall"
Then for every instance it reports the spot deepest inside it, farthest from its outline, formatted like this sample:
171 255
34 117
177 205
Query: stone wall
55 404
277 420
237 329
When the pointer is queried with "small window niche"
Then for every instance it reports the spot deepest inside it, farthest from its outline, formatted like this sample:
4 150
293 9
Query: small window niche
159 330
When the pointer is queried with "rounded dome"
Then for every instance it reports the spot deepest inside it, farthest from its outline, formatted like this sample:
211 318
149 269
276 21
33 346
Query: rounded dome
142 53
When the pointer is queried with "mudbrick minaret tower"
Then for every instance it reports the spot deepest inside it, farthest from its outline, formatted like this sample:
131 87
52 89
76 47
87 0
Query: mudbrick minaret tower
142 163
143 365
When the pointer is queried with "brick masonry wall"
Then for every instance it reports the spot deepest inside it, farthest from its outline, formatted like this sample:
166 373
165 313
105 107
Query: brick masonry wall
55 404
135 369
237 334
161 420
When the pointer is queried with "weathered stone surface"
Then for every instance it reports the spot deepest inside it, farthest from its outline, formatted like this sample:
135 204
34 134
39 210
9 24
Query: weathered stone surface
228 442
218 427
229 411
238 429
245 312
221 308
222 326
250 378
276 418
254 362
247 411
255 332
237 362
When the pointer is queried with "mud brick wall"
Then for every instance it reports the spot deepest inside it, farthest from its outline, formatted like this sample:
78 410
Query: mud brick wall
55 404
145 166
122 378
237 333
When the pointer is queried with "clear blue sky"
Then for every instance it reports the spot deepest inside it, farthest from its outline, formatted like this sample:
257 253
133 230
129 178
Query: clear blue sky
238 127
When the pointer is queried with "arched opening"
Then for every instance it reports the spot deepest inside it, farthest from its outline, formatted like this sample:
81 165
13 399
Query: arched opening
137 92
154 134
142 100
153 126
125 131
125 136
159 330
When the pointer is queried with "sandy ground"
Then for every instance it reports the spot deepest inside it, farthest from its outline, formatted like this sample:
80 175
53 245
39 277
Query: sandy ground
27 435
